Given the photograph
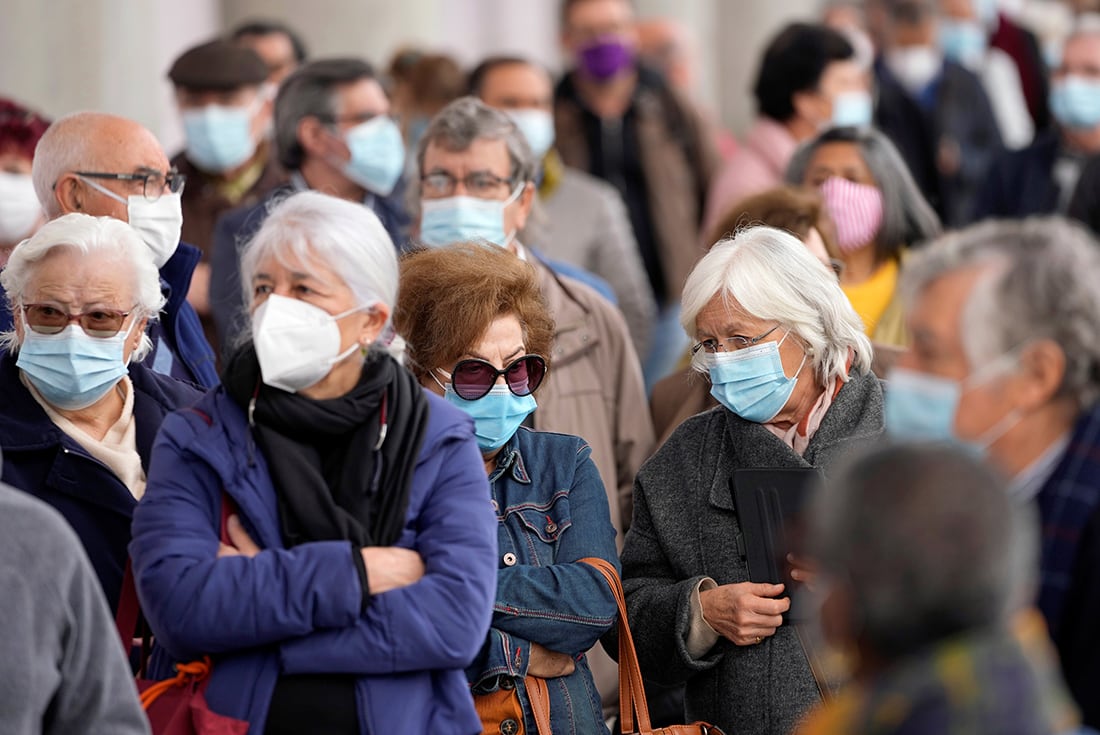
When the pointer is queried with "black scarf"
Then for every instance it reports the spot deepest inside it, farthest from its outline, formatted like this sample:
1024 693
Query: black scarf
332 480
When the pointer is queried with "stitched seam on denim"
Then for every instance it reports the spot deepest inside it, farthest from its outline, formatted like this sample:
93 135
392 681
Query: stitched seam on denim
524 612
536 506
566 525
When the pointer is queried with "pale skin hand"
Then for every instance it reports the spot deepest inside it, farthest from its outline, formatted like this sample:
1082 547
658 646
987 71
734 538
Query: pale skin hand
549 664
745 612
388 567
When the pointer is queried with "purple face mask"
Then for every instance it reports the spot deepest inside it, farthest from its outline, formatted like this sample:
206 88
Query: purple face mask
606 57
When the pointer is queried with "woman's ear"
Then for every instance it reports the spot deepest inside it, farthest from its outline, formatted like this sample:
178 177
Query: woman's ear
373 324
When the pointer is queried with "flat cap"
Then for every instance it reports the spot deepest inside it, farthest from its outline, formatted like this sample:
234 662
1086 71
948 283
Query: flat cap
218 64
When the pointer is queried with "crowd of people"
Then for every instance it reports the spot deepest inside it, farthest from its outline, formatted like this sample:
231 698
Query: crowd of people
353 398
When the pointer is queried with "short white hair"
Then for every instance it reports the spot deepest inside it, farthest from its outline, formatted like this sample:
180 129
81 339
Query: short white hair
105 239
346 237
774 277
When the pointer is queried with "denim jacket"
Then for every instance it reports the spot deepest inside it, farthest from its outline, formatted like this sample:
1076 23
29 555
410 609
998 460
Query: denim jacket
551 511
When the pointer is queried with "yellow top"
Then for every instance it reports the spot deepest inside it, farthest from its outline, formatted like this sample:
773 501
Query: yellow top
871 297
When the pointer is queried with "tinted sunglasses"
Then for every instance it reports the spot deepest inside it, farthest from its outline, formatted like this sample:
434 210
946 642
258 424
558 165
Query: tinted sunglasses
473 379
48 319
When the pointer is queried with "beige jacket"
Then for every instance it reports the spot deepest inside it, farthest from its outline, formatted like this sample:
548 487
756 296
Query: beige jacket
594 389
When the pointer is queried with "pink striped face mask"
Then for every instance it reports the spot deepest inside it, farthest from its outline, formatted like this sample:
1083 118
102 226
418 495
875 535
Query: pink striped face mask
856 210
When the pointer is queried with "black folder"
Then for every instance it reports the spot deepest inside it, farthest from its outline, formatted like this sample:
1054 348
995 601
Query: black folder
770 508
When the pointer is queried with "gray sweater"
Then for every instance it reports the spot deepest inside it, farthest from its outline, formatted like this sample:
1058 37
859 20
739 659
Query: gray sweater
685 528
63 666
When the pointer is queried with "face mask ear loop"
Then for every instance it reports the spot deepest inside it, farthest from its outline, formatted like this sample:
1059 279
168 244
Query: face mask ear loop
432 373
515 195
103 190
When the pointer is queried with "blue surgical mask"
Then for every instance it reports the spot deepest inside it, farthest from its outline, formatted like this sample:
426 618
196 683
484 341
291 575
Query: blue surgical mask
219 138
497 415
964 42
71 369
751 382
537 127
922 407
852 109
1075 102
451 220
377 155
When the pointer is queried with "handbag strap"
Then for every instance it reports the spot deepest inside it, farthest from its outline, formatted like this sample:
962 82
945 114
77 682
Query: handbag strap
539 696
632 699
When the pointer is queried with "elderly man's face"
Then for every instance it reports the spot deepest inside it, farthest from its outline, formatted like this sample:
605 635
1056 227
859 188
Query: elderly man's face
938 349
1081 58
276 50
116 146
518 87
485 161
75 283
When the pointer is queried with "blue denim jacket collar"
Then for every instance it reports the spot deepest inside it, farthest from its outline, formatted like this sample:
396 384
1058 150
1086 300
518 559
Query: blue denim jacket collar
511 458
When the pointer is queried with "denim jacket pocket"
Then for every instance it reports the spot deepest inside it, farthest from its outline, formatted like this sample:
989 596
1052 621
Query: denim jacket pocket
541 522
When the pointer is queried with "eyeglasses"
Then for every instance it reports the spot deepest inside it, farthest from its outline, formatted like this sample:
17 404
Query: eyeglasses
47 319
738 342
481 184
153 183
473 379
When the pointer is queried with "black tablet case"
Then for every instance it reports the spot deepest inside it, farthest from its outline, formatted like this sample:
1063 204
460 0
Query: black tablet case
770 506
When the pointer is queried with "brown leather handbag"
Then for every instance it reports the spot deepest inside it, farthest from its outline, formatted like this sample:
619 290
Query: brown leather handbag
633 707
502 714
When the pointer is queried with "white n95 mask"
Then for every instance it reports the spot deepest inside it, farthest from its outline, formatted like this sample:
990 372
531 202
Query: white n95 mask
296 343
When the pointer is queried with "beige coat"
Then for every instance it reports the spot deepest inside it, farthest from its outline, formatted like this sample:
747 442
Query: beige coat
594 388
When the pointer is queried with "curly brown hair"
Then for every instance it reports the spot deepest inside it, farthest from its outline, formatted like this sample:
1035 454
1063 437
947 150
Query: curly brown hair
449 296
792 208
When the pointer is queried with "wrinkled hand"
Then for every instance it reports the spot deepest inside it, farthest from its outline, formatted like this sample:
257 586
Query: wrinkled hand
549 664
390 567
243 545
746 612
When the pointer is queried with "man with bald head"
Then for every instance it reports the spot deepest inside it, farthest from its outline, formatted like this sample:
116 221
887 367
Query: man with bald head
109 166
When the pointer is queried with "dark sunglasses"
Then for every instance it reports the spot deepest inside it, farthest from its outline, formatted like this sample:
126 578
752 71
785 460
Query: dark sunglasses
473 379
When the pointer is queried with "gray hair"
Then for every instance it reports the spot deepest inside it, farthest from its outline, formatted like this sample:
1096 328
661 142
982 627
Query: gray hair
311 91
926 540
345 237
907 218
468 119
1041 283
105 239
774 277
64 147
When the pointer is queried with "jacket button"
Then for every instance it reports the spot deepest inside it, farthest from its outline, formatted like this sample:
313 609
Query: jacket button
551 527
509 727
509 559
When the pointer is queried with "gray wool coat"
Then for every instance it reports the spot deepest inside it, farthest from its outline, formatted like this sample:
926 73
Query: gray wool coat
685 528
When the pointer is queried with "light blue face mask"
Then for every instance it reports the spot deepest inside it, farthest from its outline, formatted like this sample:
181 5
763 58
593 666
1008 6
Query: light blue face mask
964 42
922 407
751 382
537 127
219 138
465 219
377 155
852 109
1075 102
497 415
71 369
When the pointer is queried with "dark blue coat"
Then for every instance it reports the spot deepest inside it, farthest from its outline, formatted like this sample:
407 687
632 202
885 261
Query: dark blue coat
298 611
1021 183
43 461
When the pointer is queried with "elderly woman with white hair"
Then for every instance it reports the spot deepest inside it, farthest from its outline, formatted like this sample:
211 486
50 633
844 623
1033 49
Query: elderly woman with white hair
789 363
358 574
78 410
